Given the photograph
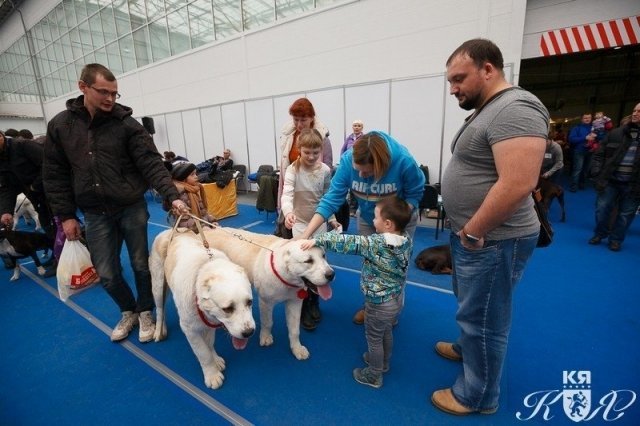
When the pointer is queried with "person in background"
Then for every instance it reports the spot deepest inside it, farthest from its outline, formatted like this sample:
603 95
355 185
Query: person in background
386 254
192 194
552 163
303 116
496 159
579 136
375 168
21 172
616 174
25 134
357 127
170 158
103 165
223 162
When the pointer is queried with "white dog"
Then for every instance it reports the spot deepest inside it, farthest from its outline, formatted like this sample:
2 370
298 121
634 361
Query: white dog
208 291
24 208
280 271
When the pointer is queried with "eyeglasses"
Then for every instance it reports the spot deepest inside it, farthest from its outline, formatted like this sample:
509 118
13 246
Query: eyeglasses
104 92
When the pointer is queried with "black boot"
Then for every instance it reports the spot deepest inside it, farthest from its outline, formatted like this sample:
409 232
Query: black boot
306 320
314 307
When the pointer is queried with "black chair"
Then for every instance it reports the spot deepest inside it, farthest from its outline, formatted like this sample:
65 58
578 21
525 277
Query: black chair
430 202
241 179
264 169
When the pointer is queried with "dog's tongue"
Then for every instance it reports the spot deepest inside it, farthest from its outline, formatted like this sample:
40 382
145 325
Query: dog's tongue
325 291
239 344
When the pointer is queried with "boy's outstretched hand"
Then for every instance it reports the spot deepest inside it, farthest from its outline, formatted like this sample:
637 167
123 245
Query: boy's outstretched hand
307 244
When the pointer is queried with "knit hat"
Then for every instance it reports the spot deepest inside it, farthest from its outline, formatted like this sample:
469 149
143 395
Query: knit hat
181 171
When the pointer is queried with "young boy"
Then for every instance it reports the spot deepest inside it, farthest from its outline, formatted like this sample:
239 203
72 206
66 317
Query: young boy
191 193
384 273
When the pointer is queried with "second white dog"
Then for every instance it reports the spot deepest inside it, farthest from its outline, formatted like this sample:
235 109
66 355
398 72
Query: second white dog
24 208
209 292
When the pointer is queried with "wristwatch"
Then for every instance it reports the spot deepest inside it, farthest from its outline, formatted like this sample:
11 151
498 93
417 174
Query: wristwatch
471 238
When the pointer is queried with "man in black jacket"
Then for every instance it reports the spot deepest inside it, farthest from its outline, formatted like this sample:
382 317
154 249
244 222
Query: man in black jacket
101 160
615 168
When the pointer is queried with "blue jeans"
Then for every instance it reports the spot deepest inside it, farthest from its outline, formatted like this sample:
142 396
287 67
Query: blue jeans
378 329
483 282
105 235
581 160
615 194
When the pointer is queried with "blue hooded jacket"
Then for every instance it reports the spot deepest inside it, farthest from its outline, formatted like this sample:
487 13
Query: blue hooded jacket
404 179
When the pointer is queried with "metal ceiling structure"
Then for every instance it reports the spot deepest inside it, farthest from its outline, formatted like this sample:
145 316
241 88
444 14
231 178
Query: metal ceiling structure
7 8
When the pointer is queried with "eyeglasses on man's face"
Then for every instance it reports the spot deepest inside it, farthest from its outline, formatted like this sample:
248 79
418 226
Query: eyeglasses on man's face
104 92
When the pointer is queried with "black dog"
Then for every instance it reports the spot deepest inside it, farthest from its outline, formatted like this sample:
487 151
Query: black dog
435 259
16 245
549 191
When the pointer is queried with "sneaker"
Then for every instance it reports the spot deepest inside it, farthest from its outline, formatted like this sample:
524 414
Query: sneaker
366 377
125 325
615 245
147 327
365 357
595 240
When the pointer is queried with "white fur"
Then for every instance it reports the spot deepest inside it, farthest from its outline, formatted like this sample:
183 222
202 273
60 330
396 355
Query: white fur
223 294
7 249
24 208
292 264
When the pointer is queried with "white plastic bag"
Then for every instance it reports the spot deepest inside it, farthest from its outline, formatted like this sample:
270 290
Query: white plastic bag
75 270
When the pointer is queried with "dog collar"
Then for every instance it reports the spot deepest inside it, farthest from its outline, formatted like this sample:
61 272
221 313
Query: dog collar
204 318
302 292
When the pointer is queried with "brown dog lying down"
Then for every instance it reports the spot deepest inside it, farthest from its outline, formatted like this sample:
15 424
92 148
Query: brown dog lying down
436 259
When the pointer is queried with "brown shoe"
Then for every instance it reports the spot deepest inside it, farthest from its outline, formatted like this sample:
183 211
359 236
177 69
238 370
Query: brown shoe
358 318
445 401
445 350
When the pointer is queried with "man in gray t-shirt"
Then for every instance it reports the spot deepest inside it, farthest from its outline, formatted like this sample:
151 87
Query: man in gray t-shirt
486 190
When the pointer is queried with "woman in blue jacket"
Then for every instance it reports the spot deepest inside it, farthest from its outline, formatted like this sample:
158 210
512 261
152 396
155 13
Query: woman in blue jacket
377 167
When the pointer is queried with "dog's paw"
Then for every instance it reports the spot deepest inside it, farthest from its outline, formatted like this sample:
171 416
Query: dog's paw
160 333
219 362
266 339
213 379
14 277
41 270
300 352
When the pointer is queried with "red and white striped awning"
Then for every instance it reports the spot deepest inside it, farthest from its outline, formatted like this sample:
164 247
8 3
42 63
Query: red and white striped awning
600 35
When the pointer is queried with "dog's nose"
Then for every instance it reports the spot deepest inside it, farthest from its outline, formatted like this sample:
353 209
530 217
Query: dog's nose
248 332
330 275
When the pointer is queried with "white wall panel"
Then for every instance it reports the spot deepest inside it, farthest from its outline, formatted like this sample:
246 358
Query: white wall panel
369 103
212 132
234 127
160 137
175 133
194 147
329 106
260 131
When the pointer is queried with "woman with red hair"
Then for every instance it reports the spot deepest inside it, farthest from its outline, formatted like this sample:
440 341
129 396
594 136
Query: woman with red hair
303 116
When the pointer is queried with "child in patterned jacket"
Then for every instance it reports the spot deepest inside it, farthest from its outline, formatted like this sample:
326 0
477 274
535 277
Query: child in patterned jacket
384 274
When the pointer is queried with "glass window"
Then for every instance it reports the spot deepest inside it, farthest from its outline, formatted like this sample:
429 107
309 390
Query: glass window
46 31
155 9
159 39
201 23
108 24
95 25
53 26
113 55
142 46
226 19
65 40
85 37
257 13
61 19
72 75
76 46
89 58
69 13
128 54
81 9
286 8
121 12
138 13
92 7
101 57
36 36
179 31
42 62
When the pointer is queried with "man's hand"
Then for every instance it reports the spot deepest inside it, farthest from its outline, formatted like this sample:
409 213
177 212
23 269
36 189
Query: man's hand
7 220
179 207
71 229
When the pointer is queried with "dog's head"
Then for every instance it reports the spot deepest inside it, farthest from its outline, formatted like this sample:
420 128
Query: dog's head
309 265
224 292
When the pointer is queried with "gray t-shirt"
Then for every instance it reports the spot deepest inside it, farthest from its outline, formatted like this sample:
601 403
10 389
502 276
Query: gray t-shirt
472 172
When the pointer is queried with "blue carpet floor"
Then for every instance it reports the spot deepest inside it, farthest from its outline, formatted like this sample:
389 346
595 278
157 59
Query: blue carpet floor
573 312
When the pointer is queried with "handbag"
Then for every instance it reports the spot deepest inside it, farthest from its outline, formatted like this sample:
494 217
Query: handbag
75 270
546 231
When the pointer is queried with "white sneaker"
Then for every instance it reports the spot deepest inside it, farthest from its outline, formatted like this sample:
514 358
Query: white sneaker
147 327
125 325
